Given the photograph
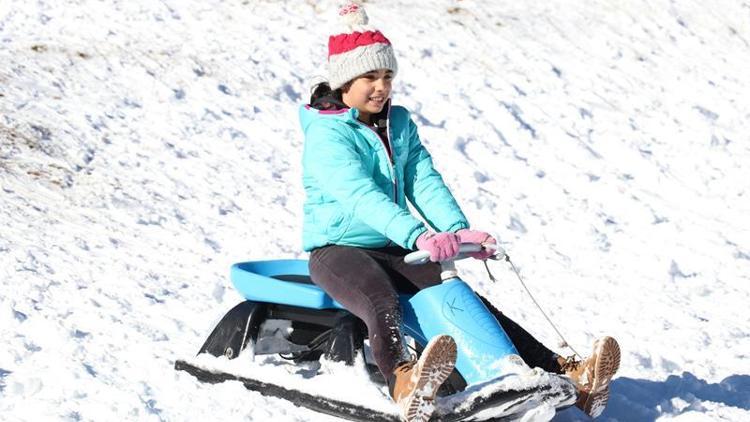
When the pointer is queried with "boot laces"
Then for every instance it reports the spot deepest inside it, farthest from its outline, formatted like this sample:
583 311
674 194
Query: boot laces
571 364
406 366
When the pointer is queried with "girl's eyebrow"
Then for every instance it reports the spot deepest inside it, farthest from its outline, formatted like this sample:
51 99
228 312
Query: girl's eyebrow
375 72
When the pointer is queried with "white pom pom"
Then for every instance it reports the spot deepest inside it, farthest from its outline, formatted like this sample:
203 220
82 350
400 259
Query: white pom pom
353 15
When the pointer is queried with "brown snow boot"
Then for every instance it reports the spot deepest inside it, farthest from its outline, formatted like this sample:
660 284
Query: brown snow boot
592 376
414 384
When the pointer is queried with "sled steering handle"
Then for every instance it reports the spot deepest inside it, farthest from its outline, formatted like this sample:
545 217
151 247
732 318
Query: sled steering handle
422 257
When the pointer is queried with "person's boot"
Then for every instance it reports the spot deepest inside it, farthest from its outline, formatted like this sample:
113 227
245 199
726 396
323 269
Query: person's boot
414 384
592 376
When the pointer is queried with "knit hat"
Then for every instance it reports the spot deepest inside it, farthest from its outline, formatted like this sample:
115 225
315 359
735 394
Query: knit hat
357 48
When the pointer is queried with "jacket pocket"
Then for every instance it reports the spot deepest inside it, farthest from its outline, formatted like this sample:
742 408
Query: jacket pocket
337 226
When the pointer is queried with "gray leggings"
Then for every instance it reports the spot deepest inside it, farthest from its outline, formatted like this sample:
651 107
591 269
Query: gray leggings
367 283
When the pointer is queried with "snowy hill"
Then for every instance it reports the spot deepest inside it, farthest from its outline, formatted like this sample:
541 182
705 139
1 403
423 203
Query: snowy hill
145 146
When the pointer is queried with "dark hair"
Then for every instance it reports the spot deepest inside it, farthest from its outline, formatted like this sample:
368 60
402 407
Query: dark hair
325 98
323 90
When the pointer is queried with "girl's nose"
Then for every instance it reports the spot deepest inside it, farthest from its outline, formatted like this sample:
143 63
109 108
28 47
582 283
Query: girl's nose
380 84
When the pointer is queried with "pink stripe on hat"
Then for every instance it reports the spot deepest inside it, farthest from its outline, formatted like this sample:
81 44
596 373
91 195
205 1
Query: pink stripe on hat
342 43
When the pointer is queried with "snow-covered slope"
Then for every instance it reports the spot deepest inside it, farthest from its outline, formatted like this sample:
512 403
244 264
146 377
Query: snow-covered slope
145 146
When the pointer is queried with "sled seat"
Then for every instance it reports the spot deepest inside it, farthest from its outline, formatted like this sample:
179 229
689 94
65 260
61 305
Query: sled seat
283 281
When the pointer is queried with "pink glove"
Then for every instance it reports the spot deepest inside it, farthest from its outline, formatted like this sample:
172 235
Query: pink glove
476 236
441 246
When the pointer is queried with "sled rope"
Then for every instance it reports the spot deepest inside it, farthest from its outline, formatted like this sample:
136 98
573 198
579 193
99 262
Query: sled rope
563 343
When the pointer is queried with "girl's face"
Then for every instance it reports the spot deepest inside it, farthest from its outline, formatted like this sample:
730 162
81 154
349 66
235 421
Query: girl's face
368 93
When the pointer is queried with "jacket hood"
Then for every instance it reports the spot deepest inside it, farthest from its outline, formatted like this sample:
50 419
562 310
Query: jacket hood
308 114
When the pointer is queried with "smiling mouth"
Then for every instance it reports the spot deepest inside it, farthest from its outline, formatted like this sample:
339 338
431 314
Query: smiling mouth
377 99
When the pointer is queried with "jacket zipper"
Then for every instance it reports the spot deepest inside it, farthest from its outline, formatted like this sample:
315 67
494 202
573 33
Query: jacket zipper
387 148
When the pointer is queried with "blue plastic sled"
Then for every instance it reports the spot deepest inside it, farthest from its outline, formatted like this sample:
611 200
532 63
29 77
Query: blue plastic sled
449 308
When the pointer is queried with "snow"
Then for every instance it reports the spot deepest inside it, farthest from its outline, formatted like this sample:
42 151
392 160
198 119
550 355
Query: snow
146 146
329 377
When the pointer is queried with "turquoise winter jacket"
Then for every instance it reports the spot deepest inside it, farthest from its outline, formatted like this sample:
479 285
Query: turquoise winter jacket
356 195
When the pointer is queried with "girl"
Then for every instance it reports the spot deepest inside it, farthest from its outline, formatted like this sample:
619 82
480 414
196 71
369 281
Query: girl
362 161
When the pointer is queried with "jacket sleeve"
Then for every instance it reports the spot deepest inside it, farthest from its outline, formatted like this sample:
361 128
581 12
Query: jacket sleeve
331 159
426 190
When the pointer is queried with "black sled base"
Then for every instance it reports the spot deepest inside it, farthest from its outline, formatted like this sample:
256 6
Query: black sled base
505 405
